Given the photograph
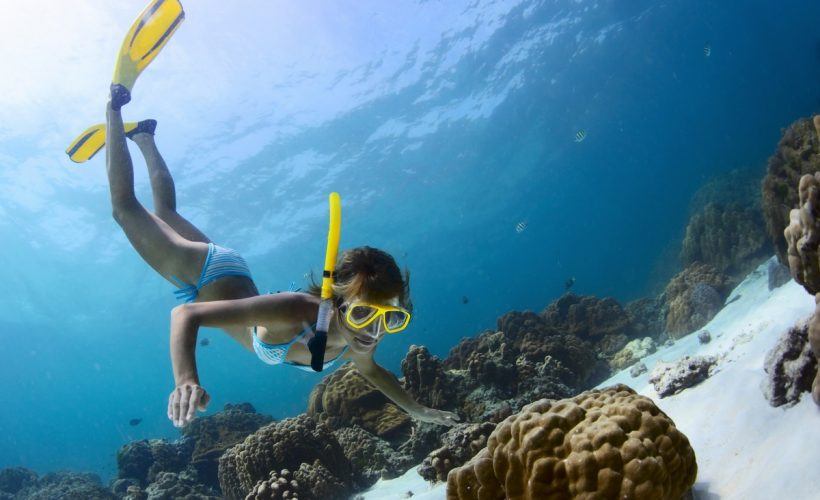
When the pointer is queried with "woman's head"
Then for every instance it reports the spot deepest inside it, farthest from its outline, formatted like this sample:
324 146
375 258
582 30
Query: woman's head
370 275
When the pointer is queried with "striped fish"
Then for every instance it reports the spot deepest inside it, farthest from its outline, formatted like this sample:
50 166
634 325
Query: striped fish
707 50
580 135
520 227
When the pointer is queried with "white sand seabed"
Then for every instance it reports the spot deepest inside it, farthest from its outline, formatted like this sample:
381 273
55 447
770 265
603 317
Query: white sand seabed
745 448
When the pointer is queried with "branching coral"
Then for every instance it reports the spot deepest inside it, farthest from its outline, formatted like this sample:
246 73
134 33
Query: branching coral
610 443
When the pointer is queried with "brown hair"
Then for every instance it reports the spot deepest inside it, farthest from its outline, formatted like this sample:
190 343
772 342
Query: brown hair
369 273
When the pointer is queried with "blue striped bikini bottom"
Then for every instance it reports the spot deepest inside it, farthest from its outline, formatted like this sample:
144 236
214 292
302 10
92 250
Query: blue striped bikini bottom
219 263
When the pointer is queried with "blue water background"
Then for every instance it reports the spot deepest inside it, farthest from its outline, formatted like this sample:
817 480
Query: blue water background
442 124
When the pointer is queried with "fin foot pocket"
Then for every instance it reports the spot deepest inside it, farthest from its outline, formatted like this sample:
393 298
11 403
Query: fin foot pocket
144 127
120 96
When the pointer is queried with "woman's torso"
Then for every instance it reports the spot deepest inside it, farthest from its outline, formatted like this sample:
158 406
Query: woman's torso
283 331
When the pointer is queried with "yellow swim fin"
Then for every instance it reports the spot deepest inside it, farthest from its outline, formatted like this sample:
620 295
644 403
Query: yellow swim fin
91 141
146 38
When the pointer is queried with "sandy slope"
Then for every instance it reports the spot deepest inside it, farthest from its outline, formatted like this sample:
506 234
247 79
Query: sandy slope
745 448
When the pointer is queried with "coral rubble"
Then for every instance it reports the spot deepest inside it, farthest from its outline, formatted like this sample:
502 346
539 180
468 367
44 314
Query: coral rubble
672 378
610 443
790 367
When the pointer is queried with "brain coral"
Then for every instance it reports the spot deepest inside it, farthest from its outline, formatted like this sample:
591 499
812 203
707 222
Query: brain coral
610 443
797 154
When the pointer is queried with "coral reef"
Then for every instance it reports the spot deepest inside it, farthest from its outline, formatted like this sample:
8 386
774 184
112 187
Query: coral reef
307 482
425 380
282 445
14 479
647 317
610 443
633 352
587 317
731 238
461 443
791 367
173 485
803 238
797 154
62 485
371 457
345 398
672 378
803 235
143 460
526 359
693 297
211 436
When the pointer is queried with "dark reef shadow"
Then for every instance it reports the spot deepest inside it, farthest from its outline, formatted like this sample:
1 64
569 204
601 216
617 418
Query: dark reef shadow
700 491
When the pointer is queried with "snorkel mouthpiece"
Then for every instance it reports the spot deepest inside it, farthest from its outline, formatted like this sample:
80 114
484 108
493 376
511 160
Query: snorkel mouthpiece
318 342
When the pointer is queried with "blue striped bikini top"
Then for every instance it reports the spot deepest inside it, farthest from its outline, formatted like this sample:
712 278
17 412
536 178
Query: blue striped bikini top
276 354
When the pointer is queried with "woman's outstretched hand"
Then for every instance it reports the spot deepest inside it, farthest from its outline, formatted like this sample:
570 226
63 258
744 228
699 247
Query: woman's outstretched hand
184 401
439 417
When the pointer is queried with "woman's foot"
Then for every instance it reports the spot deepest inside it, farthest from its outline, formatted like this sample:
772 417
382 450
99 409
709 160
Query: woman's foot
143 127
120 96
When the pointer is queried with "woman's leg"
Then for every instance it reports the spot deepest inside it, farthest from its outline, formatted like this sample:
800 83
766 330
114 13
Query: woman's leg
157 243
162 186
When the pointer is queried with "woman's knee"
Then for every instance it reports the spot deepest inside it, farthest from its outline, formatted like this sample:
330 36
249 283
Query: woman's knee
122 209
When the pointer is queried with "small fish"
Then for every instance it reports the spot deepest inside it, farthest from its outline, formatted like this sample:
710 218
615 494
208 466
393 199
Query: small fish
465 300
580 135
568 284
134 422
204 342
521 226
707 50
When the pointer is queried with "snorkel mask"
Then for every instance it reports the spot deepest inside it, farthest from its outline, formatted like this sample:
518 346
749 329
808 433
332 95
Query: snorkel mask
372 319
318 342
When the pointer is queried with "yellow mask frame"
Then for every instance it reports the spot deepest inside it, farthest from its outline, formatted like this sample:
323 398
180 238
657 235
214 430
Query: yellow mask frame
378 312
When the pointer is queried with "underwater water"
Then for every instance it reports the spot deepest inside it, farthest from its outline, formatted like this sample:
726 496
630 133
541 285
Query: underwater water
495 148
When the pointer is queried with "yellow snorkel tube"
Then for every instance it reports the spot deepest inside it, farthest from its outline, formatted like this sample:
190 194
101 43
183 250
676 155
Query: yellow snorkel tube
318 342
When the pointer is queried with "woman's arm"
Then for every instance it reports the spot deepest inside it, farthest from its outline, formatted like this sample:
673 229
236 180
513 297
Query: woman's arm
188 395
389 385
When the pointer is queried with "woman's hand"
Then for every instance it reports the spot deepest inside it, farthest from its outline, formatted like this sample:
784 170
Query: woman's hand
439 417
184 401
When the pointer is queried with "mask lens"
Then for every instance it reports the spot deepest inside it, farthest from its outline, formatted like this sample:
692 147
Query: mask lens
360 314
395 319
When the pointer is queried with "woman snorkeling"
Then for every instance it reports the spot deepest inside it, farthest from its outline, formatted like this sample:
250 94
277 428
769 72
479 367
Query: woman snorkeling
215 282
371 295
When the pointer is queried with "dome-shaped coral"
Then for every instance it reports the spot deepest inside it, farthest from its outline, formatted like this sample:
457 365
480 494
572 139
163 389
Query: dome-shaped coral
610 443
